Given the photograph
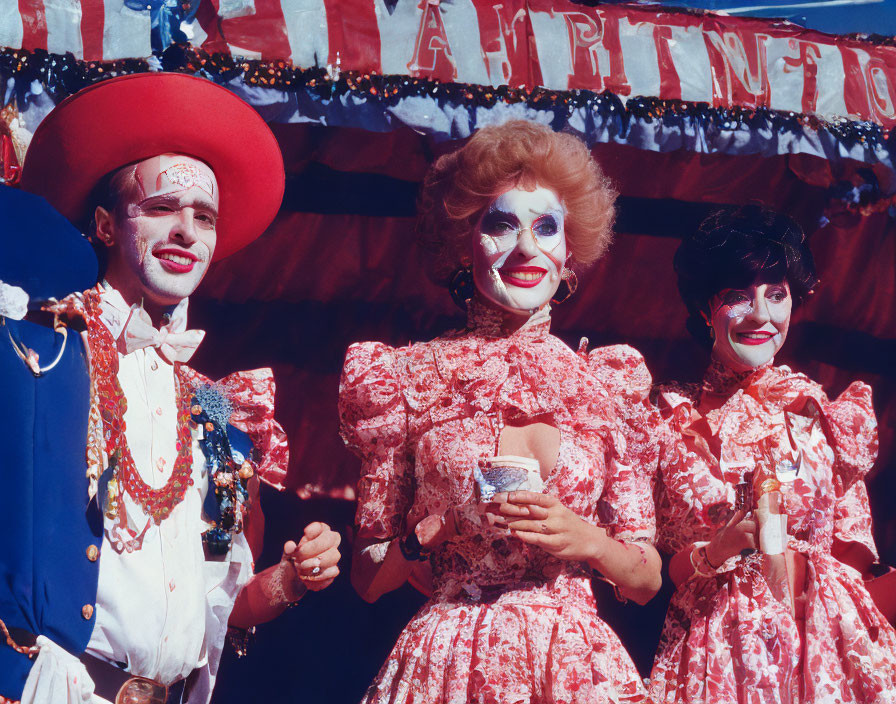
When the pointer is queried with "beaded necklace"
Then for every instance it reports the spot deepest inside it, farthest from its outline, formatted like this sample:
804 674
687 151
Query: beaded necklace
112 404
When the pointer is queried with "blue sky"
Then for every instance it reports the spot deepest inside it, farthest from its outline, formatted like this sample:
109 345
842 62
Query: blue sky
834 16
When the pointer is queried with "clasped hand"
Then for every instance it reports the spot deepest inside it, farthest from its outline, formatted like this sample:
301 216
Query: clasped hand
314 560
542 520
737 535
537 519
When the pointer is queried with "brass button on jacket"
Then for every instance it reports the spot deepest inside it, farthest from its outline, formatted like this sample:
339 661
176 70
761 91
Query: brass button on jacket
87 612
93 553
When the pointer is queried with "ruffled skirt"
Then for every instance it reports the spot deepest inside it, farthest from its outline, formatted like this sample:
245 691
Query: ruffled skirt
543 645
731 642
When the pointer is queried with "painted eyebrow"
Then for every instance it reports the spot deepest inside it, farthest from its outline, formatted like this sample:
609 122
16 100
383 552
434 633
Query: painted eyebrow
173 200
720 296
554 212
495 209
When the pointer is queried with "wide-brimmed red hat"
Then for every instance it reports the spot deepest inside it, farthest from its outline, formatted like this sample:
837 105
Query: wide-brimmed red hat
130 118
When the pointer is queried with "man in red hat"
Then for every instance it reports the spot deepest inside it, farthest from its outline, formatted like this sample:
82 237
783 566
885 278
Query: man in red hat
168 173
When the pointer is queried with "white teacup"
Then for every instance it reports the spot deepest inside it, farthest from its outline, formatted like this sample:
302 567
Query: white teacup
495 475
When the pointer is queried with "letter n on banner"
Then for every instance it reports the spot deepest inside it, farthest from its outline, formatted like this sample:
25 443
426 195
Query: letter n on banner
432 53
739 67
508 44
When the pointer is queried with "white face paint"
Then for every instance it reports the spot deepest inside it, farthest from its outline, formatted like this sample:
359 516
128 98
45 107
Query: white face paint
166 233
519 248
750 324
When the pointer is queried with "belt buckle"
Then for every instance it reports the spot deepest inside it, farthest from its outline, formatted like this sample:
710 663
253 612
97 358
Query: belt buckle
140 690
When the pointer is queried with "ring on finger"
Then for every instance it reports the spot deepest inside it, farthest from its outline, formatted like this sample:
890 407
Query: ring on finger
316 570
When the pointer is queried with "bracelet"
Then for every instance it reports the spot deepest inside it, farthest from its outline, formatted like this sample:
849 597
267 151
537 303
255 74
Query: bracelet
239 639
411 549
705 554
700 562
377 552
276 586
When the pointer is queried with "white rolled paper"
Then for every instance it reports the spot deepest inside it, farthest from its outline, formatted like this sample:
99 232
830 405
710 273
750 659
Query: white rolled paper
772 526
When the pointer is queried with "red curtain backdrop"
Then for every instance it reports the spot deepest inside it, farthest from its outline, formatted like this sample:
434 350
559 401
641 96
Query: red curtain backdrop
339 265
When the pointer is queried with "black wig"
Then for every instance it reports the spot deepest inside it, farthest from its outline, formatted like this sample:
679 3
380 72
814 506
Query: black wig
736 248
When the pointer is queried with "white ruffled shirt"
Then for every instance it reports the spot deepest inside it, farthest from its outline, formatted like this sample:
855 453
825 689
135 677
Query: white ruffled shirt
162 608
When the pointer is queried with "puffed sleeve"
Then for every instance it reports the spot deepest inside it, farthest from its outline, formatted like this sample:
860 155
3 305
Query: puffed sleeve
373 424
675 487
622 370
852 430
252 394
672 508
852 518
626 505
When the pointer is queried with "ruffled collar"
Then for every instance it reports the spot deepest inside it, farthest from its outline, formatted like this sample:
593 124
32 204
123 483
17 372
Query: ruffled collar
525 372
487 320
720 379
754 407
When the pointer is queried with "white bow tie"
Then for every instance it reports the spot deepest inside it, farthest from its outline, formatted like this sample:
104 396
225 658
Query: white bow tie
173 342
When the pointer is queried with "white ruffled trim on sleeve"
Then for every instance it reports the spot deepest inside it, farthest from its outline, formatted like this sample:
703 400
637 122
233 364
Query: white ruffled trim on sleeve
57 677
13 301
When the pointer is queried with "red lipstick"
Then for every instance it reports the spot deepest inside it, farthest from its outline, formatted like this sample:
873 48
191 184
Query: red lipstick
523 276
754 337
177 261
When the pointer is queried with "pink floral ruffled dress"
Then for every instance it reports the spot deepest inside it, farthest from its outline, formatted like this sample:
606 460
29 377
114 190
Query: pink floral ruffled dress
727 639
507 623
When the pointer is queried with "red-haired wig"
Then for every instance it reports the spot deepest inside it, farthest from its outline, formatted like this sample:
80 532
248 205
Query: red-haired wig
461 185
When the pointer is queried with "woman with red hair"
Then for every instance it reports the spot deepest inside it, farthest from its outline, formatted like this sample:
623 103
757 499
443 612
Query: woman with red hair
498 456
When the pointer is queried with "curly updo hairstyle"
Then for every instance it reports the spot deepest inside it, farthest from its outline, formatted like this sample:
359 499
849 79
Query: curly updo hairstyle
736 248
461 185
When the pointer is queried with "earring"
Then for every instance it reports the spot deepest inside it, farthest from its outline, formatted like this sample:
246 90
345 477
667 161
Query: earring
462 287
568 277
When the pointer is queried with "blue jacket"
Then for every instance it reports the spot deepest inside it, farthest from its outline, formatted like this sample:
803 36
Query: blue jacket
51 533
47 527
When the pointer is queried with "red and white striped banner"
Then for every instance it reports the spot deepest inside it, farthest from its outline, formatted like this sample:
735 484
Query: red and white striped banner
629 50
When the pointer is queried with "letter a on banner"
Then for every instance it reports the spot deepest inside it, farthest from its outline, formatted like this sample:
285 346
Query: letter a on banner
432 53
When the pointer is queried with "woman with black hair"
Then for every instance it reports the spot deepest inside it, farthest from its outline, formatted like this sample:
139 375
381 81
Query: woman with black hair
760 494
